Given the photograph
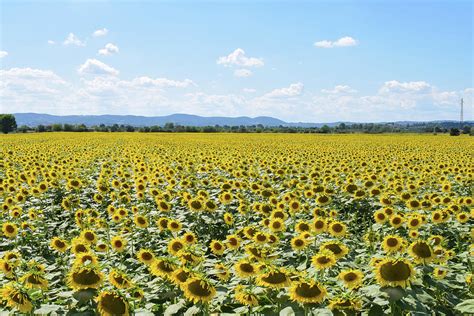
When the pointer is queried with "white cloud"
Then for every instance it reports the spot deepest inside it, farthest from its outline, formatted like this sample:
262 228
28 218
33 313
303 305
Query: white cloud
249 90
96 67
72 39
395 86
109 49
161 82
339 89
293 90
51 42
100 32
242 73
238 58
3 53
342 42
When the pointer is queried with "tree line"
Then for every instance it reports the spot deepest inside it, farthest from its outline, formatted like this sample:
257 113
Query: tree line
8 124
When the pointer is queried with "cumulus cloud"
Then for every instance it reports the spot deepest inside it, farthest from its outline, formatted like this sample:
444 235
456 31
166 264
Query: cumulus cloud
3 53
96 67
395 86
339 89
239 58
242 73
109 49
293 90
342 42
51 42
73 40
100 32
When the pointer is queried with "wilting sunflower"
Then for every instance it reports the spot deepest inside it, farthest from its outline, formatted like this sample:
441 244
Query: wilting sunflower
324 259
112 304
34 280
274 278
118 243
197 290
16 297
336 247
119 279
392 243
345 303
352 278
162 267
245 269
394 272
10 229
58 244
307 292
421 251
145 256
81 278
244 296
337 229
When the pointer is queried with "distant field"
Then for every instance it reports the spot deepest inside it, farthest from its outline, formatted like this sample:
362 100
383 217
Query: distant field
119 223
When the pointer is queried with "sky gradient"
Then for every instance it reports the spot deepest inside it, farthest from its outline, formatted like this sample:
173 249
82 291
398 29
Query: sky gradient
309 61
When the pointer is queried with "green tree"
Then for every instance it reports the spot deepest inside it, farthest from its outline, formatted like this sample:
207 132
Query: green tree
7 123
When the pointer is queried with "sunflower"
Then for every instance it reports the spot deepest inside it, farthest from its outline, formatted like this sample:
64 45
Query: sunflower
233 242
244 296
336 247
302 226
245 269
275 278
10 229
298 243
396 221
307 292
217 247
80 278
337 229
58 244
392 243
101 247
7 268
256 252
380 217
440 273
421 251
414 222
222 272
175 245
277 225
196 205
319 225
145 256
119 279
16 297
174 225
197 290
34 280
180 275
112 304
228 219
323 260
141 221
118 243
162 267
189 238
352 278
394 272
79 246
85 258
462 217
89 236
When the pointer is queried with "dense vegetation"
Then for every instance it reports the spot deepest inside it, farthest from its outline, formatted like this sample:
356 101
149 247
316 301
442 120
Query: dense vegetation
119 223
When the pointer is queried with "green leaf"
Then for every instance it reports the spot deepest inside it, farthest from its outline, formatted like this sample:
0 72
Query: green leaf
287 311
173 309
46 309
143 312
465 307
192 311
82 296
375 310
394 293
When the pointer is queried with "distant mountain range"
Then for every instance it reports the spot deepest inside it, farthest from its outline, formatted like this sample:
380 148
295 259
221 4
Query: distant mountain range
35 119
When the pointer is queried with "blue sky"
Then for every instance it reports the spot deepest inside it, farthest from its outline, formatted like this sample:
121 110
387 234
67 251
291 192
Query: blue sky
295 60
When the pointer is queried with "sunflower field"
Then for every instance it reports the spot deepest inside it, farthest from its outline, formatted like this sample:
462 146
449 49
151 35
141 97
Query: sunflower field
246 224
